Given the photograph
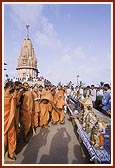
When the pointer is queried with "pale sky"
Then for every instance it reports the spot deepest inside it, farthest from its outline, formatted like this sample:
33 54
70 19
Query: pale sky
68 39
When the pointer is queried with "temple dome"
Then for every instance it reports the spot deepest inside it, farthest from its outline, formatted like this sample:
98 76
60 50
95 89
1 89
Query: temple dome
27 61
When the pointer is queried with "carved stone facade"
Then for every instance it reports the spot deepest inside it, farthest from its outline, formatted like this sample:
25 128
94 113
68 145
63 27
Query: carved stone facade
27 62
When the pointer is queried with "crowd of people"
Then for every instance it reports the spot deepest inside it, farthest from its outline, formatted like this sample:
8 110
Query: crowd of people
26 108
27 79
29 107
100 96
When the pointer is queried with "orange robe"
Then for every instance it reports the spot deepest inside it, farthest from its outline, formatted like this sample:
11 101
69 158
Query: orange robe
60 92
60 102
17 113
45 107
101 140
55 114
9 128
35 110
26 110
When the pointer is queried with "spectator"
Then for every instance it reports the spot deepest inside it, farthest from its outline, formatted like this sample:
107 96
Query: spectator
106 105
99 96
93 95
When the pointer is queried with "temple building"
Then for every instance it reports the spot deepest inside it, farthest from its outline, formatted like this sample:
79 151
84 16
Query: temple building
27 62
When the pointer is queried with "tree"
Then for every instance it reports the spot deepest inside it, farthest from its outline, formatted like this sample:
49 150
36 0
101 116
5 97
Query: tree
7 75
101 83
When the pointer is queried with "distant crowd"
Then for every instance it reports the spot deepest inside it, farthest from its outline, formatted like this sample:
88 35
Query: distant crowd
100 96
27 79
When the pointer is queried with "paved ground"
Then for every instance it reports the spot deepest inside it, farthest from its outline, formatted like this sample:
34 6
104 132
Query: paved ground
56 144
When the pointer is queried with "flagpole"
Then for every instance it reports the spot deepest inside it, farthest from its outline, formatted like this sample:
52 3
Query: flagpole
27 27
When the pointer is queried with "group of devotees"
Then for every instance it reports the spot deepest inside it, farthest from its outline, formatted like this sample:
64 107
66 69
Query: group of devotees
26 108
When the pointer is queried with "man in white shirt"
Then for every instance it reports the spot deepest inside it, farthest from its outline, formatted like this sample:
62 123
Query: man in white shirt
93 95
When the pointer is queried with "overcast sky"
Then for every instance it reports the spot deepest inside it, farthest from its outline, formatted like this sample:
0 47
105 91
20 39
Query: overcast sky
68 39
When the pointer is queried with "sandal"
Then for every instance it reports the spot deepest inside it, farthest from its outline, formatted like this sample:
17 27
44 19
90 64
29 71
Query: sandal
46 126
54 123
62 122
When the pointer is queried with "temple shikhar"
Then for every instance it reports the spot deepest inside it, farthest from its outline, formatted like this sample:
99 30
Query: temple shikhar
27 62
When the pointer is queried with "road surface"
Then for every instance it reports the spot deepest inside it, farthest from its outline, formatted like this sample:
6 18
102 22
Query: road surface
57 144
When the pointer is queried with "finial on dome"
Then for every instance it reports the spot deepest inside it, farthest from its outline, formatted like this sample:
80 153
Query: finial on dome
27 27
